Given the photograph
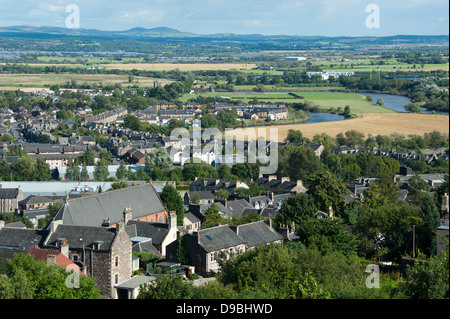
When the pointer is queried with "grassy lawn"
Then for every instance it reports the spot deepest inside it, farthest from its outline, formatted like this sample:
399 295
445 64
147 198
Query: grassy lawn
358 103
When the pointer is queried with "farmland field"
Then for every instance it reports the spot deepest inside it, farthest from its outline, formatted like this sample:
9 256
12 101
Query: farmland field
45 80
383 124
179 66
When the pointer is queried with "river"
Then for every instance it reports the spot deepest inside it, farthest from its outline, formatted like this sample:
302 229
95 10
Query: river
394 102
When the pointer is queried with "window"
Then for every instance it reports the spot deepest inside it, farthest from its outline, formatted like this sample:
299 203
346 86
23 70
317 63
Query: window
116 261
116 279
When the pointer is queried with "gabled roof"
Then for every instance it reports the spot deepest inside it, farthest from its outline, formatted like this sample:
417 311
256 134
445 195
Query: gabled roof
218 238
82 236
7 193
21 238
238 206
94 209
157 232
258 233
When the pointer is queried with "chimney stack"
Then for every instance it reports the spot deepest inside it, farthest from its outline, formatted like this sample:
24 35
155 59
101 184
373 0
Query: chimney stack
51 259
54 225
444 207
173 219
127 215
64 247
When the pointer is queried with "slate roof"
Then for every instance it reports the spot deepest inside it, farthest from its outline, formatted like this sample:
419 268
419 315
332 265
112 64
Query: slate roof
258 233
92 210
76 236
6 193
146 247
238 206
217 238
33 199
157 232
21 238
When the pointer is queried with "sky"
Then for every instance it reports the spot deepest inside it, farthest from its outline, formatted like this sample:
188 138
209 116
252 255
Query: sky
268 17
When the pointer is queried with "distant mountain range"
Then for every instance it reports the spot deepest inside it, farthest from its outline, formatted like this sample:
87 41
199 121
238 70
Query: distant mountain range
164 32
168 33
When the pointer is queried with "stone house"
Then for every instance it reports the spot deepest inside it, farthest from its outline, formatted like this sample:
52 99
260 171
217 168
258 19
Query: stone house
207 245
10 198
103 253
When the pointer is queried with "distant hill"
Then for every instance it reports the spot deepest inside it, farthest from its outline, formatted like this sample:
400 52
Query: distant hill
164 32
30 31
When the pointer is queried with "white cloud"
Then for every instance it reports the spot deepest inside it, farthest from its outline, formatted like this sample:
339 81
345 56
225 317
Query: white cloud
142 16
288 5
252 23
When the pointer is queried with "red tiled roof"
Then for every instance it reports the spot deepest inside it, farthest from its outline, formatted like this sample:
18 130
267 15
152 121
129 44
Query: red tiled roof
60 259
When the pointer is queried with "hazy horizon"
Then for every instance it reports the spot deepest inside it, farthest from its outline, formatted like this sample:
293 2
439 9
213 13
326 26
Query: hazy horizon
327 18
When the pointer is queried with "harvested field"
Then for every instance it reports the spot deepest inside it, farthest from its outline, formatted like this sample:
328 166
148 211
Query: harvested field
42 80
375 124
180 66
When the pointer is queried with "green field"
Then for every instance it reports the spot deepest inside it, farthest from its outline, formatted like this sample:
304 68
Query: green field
390 66
326 101
83 61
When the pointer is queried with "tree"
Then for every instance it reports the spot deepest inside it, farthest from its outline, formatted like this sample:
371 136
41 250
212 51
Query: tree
380 102
132 122
121 172
212 217
294 136
347 111
88 158
297 209
173 201
427 280
228 118
101 171
327 191
158 159
209 120
167 287
431 221
42 170
298 163
327 235
394 220
84 176
27 278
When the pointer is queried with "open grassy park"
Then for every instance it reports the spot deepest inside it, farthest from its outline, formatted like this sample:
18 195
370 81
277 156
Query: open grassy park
325 100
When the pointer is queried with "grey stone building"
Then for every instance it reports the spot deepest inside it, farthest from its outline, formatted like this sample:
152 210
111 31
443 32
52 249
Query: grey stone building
10 198
103 253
